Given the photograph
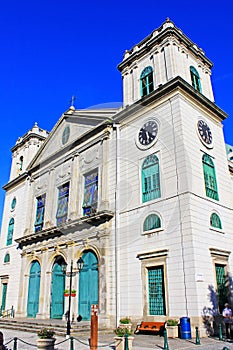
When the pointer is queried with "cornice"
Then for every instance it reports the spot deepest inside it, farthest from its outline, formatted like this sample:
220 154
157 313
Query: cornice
26 138
146 45
15 181
175 85
70 226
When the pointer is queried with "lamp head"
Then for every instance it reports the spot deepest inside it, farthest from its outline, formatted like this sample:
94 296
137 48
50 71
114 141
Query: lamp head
80 264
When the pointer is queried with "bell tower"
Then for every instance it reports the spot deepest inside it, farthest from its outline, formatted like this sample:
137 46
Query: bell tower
162 56
25 149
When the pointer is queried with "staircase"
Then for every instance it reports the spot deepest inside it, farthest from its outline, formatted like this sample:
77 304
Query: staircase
34 325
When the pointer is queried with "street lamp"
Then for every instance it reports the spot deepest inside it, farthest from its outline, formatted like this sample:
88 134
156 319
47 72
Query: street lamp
70 274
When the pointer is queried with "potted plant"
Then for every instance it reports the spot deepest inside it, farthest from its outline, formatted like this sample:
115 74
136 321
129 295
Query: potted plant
45 339
125 322
121 334
73 293
172 328
66 293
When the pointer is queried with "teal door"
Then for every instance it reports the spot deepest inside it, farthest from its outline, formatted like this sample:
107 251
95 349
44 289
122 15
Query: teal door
33 290
156 291
4 289
57 292
88 285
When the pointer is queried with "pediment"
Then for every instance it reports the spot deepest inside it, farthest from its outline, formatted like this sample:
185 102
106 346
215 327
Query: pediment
71 126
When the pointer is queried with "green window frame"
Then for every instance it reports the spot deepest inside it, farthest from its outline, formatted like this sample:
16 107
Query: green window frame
40 208
210 177
150 178
10 231
62 203
195 78
146 81
152 222
156 291
90 199
215 221
7 258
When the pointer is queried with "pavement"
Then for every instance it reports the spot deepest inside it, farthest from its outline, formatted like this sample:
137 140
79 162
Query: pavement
27 341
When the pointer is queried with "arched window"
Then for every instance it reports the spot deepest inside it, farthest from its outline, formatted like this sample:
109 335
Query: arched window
195 78
215 221
146 81
13 203
152 222
150 178
210 177
7 258
10 231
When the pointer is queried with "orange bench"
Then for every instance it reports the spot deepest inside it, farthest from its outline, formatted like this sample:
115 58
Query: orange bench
156 327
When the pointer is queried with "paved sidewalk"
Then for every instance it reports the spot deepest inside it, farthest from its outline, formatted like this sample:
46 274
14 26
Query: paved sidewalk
106 341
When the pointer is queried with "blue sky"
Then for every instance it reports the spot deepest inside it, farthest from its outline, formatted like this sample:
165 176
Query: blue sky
53 49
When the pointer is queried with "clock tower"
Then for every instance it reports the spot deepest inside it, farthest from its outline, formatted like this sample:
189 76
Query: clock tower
175 143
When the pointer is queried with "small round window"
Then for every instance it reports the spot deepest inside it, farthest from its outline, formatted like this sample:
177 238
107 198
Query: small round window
13 203
65 135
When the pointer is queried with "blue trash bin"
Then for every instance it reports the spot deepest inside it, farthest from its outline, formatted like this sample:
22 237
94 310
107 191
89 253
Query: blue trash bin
185 328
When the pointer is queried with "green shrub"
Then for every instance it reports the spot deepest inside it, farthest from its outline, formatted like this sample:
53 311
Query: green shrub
121 332
172 322
46 333
125 320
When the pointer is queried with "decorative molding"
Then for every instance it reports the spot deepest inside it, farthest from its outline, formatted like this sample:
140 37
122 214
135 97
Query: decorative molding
219 253
152 254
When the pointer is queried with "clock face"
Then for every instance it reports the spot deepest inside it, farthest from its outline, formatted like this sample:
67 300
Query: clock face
204 132
148 132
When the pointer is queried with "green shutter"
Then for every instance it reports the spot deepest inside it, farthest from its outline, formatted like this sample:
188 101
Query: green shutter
152 222
10 231
146 81
215 221
150 179
195 78
4 291
210 177
7 258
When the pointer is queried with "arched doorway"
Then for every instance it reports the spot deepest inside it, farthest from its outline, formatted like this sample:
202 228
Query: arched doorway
88 284
57 289
33 289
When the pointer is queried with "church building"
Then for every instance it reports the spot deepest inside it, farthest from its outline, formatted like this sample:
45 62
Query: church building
142 195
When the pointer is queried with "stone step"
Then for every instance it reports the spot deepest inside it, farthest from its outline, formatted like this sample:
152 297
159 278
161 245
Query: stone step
34 326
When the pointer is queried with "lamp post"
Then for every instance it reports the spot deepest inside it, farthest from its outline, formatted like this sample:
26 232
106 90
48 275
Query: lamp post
70 274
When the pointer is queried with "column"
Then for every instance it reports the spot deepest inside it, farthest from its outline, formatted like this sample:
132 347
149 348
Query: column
51 197
73 201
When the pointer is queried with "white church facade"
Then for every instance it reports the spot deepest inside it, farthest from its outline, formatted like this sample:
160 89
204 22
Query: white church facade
142 193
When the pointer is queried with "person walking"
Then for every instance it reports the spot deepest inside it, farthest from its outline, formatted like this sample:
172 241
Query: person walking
227 317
